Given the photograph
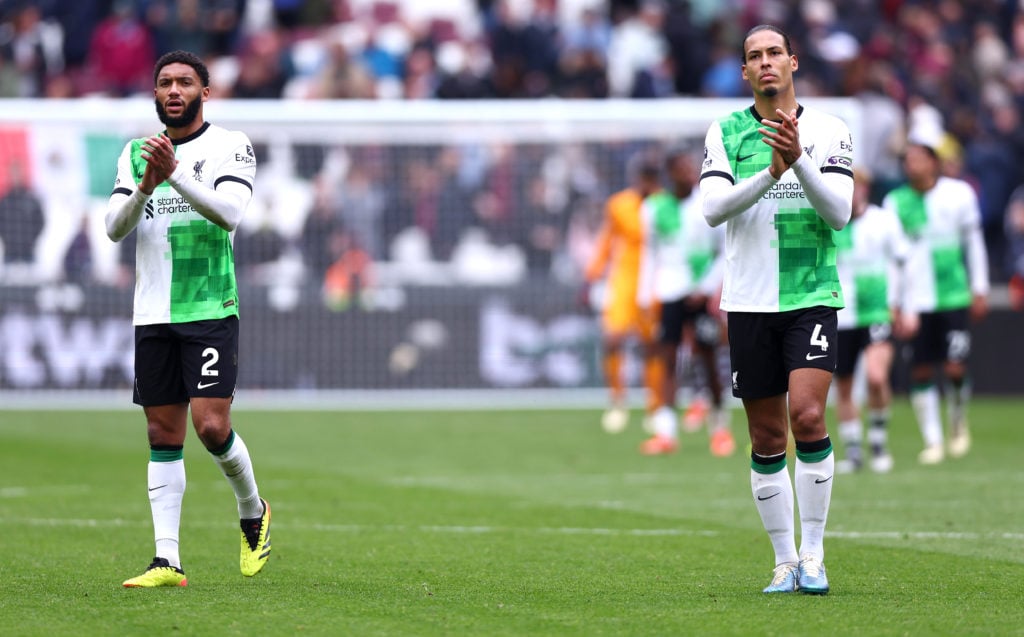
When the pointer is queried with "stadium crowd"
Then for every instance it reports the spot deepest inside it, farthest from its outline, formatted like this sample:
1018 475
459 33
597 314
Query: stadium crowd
956 62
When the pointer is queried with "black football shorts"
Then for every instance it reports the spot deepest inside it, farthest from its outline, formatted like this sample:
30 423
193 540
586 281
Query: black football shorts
175 362
764 347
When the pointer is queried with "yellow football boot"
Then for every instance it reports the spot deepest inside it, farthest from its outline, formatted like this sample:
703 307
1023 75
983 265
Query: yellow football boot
159 573
255 542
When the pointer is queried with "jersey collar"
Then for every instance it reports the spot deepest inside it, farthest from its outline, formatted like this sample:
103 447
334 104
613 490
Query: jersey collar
184 140
757 116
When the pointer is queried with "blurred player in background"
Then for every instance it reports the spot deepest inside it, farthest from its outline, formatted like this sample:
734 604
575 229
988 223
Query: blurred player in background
184 192
681 271
617 259
940 217
780 176
871 251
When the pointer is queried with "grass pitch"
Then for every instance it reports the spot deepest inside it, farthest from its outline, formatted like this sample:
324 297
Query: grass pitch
497 523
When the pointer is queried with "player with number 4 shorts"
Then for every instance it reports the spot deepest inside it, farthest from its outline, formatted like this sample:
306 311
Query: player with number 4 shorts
779 175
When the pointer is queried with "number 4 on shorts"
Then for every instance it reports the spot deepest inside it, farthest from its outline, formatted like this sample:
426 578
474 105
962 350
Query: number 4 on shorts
818 339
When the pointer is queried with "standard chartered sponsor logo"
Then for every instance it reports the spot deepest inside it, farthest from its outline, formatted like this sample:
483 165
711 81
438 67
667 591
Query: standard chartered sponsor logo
172 205
788 190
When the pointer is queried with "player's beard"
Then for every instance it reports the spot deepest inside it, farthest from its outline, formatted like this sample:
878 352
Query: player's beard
187 116
771 91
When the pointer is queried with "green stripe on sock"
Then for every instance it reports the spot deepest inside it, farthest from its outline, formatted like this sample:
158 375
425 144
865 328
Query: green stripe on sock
774 467
226 446
814 456
165 455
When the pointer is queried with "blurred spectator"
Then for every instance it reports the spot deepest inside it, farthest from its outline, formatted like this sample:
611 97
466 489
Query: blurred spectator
178 25
421 79
459 79
256 248
321 224
32 48
261 71
637 46
21 217
78 262
121 54
77 20
361 202
540 227
348 277
1015 247
342 77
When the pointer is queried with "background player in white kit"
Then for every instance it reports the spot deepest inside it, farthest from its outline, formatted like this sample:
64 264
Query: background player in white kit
780 175
184 192
948 279
872 255
682 271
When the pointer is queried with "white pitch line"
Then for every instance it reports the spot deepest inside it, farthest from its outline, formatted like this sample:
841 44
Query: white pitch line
544 530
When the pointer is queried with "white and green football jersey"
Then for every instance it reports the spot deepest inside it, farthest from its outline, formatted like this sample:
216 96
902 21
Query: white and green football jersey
870 251
185 267
937 223
681 251
780 255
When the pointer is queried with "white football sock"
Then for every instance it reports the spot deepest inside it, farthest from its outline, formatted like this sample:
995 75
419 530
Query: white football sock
236 466
813 495
166 490
926 407
773 495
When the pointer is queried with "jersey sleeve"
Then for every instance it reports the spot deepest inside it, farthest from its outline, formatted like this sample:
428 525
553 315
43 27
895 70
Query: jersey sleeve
126 202
239 163
124 182
839 156
716 161
974 243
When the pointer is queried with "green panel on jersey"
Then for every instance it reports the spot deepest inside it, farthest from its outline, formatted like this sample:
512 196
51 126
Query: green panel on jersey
910 209
667 220
844 238
139 164
747 154
951 288
872 299
202 272
807 260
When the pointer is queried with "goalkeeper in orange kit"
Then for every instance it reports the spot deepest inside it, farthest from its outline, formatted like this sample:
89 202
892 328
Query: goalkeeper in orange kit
617 259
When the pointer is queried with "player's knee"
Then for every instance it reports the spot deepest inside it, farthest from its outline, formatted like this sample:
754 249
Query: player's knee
212 431
807 420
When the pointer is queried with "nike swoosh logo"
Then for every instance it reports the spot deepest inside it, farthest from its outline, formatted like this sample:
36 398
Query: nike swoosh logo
769 497
744 157
817 481
205 385
811 358
160 487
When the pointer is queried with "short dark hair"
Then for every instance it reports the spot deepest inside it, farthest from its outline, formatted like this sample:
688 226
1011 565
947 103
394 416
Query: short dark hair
183 57
773 29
